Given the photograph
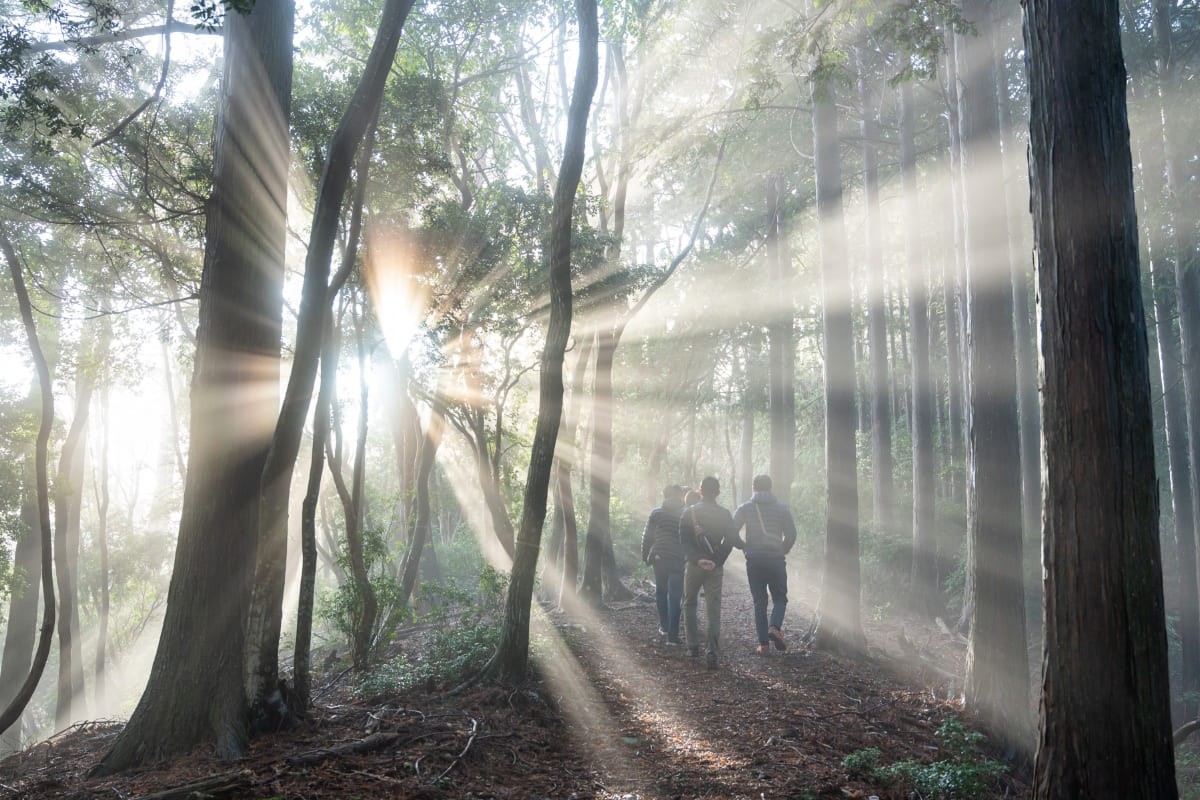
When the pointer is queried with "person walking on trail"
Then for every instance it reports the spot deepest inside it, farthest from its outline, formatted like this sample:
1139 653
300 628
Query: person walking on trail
770 534
662 550
707 535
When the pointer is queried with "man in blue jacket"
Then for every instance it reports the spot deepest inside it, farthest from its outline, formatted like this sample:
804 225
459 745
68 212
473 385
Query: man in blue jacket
662 551
707 534
770 534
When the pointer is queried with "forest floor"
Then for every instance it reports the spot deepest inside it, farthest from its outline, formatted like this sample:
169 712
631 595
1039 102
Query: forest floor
621 716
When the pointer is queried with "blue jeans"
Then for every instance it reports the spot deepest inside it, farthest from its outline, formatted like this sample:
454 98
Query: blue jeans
763 577
668 589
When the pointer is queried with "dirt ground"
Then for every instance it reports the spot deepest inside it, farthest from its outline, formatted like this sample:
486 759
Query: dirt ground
622 716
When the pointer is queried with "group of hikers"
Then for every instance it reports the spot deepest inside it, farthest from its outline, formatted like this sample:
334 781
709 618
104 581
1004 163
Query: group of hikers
687 540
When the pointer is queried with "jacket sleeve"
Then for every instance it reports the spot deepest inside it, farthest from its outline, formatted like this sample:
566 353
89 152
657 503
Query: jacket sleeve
789 529
648 536
687 535
740 516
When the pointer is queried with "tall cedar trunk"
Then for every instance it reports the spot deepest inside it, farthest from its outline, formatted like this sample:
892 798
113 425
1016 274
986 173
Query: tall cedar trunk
1105 711
512 656
19 699
781 348
926 599
21 631
68 496
750 401
195 690
1183 246
953 301
262 638
996 685
882 477
839 614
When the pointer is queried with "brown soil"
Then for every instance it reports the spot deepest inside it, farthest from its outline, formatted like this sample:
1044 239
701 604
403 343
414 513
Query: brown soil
627 718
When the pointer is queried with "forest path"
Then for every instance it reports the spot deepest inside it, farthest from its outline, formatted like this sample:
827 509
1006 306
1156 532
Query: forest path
611 714
758 727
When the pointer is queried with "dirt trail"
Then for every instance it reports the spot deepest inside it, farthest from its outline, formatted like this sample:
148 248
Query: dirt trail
621 715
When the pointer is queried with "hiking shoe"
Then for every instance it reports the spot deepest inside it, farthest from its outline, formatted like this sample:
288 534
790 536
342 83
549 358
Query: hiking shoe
694 652
673 643
777 638
711 661
763 649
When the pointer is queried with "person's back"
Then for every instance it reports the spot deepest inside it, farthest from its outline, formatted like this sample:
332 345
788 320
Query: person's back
770 534
707 535
662 550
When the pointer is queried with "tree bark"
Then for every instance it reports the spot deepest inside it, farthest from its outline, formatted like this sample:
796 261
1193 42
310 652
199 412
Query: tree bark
195 690
882 471
512 656
262 655
996 685
839 613
1105 714
20 698
781 348
926 596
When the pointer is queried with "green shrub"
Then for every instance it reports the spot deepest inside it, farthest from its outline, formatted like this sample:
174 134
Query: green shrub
965 774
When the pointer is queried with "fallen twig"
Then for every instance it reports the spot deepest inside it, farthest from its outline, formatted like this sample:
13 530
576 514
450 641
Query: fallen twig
227 783
375 741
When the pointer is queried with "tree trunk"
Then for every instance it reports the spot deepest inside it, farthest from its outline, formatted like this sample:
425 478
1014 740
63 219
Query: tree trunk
839 613
952 272
512 656
996 686
1105 726
68 496
882 472
20 698
21 632
102 504
781 348
266 613
926 595
421 526
195 690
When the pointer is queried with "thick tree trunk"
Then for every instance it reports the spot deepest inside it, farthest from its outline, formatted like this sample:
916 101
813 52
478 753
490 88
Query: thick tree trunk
926 597
195 690
1105 714
512 656
839 614
421 523
996 686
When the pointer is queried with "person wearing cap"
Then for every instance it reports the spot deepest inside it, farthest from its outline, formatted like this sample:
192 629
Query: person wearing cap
707 535
662 550
770 534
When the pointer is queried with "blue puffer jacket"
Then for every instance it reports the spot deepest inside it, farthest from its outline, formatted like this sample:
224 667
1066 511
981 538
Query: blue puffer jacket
770 529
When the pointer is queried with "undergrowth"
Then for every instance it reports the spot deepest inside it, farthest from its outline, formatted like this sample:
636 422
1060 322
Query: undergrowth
965 774
464 631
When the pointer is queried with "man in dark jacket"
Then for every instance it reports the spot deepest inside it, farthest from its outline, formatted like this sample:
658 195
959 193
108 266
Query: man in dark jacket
662 551
770 534
707 534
